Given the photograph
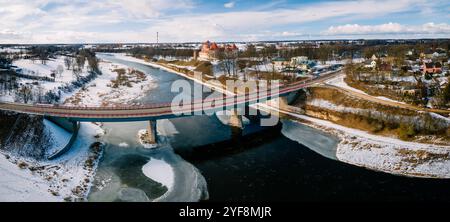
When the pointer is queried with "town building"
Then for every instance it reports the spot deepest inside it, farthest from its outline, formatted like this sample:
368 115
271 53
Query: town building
212 51
432 67
299 60
371 64
280 61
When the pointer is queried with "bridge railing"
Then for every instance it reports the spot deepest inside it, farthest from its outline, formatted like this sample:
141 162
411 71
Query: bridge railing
238 98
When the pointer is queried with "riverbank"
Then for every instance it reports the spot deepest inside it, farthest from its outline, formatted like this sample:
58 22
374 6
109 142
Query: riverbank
118 85
363 149
381 153
217 88
68 178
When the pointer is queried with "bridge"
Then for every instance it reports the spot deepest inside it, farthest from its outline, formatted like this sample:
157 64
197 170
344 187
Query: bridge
153 112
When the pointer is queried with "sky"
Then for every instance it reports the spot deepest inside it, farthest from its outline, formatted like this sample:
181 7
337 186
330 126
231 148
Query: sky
138 21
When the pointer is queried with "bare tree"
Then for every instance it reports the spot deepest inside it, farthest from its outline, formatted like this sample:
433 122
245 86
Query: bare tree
68 62
59 70
25 93
76 73
81 61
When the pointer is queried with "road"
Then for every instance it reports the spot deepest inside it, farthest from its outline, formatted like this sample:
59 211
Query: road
156 111
384 102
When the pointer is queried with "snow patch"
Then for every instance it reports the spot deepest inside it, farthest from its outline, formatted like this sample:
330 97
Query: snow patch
159 171
60 137
124 144
21 185
225 116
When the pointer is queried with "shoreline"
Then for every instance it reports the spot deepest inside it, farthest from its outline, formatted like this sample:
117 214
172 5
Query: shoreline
383 154
350 146
68 178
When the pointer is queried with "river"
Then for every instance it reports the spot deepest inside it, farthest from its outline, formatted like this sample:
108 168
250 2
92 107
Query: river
200 158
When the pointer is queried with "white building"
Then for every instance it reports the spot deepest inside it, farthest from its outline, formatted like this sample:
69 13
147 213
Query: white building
298 60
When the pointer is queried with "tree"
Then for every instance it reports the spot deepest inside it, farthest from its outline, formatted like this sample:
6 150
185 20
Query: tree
76 73
421 96
68 62
446 94
59 70
81 61
250 52
39 93
407 131
93 64
25 93
228 62
242 64
351 70
43 56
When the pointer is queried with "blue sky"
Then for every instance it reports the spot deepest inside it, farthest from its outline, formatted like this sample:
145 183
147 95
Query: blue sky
84 21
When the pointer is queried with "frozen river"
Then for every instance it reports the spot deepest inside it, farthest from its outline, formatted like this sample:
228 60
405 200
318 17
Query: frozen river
200 158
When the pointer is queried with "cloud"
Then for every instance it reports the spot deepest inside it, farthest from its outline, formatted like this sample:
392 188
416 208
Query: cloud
229 5
388 28
149 8
76 21
10 34
251 25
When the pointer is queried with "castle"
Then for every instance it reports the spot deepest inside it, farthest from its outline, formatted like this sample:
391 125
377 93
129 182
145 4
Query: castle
212 51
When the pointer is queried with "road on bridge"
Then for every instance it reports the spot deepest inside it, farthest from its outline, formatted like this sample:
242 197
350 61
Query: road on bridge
155 111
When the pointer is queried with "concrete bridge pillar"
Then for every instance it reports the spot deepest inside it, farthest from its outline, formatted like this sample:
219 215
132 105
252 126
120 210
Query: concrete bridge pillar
151 132
236 119
283 103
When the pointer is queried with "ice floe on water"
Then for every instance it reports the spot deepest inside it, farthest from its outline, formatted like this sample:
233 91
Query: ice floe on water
139 174
321 143
132 195
225 116
166 128
124 144
188 184
159 171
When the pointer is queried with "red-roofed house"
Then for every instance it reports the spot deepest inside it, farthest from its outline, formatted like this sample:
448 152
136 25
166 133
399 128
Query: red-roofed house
211 50
432 67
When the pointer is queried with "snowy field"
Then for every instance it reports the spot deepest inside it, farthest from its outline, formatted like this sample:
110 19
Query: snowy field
19 185
36 68
63 78
56 66
97 93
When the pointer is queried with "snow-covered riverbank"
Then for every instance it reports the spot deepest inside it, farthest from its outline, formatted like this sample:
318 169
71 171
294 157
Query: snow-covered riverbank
375 152
103 92
381 153
68 178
